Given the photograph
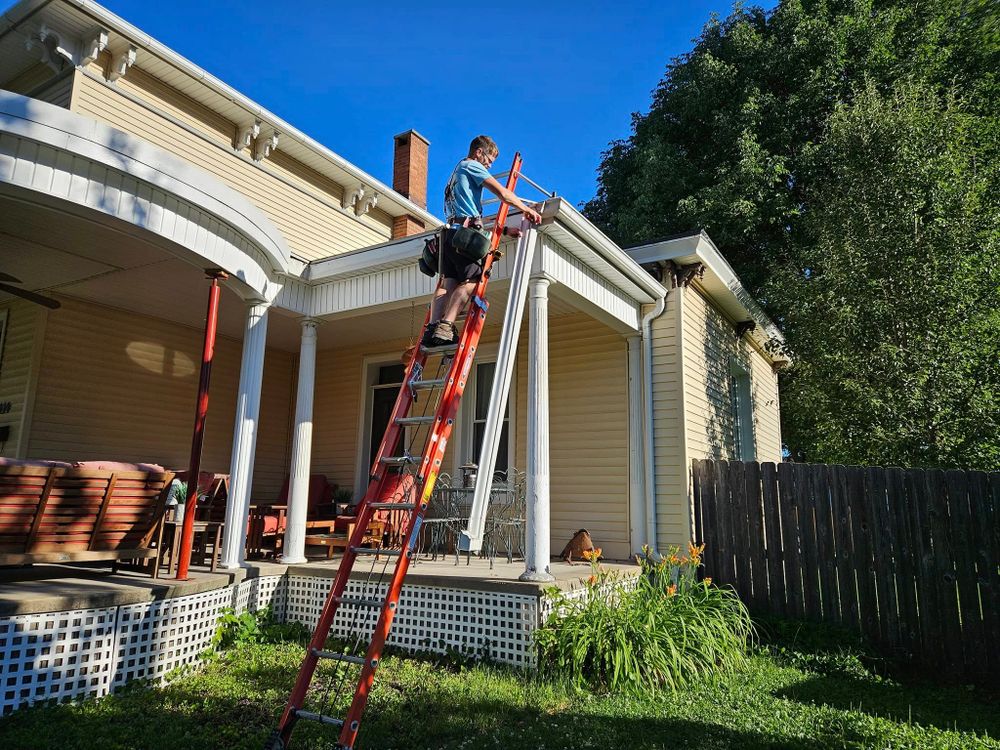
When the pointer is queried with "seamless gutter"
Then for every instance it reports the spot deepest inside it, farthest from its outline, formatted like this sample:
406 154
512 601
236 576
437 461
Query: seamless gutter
606 249
140 38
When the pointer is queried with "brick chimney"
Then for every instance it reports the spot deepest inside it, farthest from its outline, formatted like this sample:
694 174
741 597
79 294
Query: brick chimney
409 178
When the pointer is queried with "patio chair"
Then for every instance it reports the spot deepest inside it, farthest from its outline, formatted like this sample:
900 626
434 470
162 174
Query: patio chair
268 520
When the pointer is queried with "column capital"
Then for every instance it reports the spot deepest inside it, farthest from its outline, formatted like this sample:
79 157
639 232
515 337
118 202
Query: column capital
540 280
308 323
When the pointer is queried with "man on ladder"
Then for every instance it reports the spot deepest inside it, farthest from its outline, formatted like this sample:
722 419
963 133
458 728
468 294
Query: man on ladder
463 207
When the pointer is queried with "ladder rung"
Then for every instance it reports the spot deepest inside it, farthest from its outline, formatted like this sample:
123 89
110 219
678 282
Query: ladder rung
446 349
310 716
392 506
375 551
334 656
426 385
399 460
407 421
355 602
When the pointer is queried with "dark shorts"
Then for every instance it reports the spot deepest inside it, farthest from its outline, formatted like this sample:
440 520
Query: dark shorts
454 266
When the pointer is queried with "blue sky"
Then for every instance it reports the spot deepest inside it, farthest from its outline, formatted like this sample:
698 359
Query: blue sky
557 80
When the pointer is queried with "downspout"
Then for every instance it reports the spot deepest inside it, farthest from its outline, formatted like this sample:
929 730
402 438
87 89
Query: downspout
648 441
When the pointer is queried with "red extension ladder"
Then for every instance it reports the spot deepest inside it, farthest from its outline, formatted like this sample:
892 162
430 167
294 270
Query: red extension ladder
403 498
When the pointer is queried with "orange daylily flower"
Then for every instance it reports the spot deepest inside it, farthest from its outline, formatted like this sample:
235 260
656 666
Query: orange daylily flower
672 589
592 581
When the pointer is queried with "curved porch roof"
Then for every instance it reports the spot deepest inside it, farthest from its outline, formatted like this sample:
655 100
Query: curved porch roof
52 157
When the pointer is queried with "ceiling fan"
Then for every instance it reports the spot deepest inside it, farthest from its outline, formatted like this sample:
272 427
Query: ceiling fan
38 299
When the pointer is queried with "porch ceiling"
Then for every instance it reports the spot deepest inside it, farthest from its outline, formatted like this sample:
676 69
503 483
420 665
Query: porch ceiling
59 253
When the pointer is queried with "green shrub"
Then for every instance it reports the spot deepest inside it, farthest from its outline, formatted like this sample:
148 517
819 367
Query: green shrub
664 631
248 628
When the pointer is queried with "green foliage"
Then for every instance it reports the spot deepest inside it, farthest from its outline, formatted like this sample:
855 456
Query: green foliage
247 628
818 648
825 142
234 702
667 631
892 298
343 495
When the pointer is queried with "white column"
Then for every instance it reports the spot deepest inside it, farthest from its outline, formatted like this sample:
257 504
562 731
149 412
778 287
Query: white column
245 435
298 489
537 553
636 490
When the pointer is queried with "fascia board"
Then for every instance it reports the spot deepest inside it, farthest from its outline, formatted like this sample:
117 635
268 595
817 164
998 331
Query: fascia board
396 252
602 245
254 110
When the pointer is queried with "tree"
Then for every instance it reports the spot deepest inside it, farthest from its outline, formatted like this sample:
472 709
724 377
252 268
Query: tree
892 296
743 139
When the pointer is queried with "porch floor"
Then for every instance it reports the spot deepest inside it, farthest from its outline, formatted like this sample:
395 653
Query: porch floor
57 588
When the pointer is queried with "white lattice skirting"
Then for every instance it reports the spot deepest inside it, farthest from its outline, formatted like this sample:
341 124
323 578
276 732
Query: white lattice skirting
92 652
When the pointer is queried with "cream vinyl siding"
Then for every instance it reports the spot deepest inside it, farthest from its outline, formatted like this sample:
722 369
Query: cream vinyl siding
306 211
588 443
710 347
120 386
766 406
672 508
588 431
29 79
338 401
23 325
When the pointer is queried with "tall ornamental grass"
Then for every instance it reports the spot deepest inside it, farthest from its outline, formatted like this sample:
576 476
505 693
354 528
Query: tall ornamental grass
662 630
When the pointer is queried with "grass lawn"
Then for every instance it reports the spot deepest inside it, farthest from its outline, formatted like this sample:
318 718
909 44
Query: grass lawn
792 696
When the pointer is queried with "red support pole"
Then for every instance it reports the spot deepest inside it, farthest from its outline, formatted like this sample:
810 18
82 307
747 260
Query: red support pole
201 412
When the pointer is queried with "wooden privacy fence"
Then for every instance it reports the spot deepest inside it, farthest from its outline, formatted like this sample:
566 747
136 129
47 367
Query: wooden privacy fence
908 556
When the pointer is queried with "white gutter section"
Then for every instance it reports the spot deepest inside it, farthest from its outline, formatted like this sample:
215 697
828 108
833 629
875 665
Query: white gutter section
649 435
604 247
143 40
471 540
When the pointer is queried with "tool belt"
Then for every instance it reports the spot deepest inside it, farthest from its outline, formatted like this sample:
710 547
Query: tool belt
468 239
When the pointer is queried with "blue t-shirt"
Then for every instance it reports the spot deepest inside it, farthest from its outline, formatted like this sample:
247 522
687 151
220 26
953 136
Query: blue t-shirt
463 195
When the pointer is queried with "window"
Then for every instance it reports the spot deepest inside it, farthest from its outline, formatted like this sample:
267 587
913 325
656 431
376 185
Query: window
484 385
744 448
384 392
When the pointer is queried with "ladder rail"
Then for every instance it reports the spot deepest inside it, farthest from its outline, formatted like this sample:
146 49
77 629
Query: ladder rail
373 501
437 443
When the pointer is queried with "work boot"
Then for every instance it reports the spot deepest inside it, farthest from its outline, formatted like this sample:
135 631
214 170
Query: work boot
425 340
444 334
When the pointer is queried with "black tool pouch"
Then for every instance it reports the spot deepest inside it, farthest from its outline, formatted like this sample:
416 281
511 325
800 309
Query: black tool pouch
470 244
430 256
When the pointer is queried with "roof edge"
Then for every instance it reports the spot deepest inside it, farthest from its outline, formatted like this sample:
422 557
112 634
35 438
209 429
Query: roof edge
123 27
699 246
561 210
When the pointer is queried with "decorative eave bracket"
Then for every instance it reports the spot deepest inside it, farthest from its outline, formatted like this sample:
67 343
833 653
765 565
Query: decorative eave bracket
121 62
366 204
682 276
744 327
52 47
358 198
245 135
264 145
93 46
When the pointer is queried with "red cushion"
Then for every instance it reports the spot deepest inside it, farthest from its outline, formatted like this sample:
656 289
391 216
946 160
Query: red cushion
320 492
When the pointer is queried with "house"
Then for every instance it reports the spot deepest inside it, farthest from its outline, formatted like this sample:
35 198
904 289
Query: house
126 171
